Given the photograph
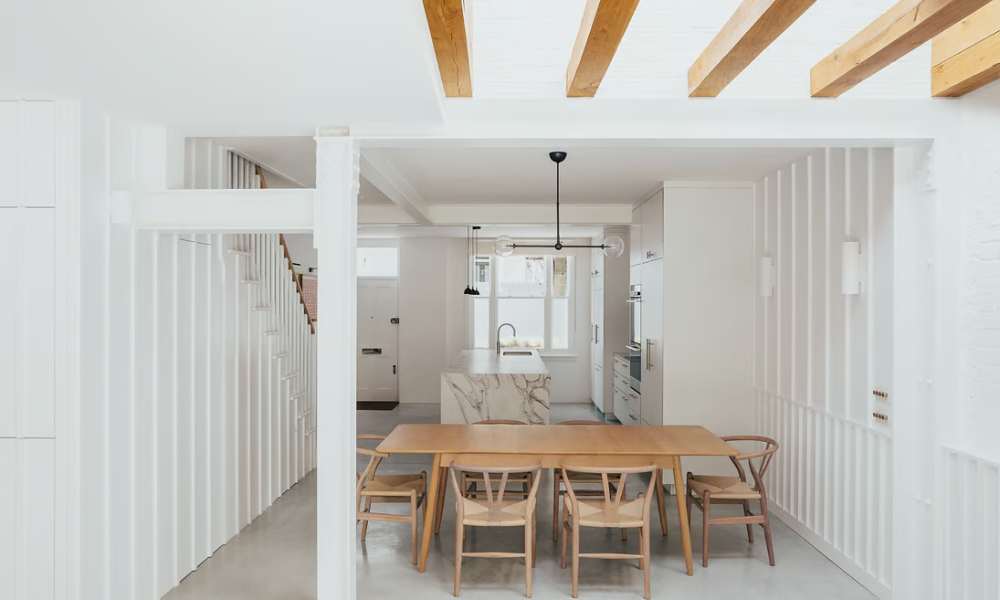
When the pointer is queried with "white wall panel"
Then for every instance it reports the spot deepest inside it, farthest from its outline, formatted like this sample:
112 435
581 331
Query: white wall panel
36 152
9 495
144 418
36 520
36 323
832 477
165 270
10 261
119 432
970 527
8 154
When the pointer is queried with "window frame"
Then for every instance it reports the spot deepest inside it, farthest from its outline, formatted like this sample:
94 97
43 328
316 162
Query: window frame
547 302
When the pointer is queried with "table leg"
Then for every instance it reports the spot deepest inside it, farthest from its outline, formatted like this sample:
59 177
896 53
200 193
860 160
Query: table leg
429 512
661 501
681 492
439 511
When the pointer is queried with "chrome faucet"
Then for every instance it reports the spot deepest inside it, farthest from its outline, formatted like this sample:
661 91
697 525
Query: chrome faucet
513 330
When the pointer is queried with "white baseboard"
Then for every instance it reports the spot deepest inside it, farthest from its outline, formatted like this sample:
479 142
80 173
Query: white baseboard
836 556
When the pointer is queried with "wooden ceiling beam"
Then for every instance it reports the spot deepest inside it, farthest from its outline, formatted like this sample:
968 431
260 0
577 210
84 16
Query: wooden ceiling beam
446 21
967 55
905 26
601 30
751 29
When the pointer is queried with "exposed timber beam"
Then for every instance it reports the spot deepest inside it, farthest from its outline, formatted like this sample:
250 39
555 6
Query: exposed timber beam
446 21
601 30
751 29
905 26
967 55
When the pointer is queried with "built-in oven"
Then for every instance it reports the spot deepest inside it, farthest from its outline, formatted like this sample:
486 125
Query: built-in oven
634 344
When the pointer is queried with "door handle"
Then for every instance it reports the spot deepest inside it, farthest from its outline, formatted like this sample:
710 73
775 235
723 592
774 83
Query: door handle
593 338
649 354
597 333
393 369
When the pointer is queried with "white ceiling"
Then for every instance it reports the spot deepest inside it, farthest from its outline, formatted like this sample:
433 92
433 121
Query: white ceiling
233 68
448 174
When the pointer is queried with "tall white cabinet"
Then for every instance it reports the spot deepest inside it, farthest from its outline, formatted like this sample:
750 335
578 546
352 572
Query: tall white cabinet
608 318
646 270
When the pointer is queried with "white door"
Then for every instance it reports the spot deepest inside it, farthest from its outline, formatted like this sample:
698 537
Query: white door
377 340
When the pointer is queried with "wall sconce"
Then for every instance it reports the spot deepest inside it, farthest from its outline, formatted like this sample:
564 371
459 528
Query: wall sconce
765 275
850 274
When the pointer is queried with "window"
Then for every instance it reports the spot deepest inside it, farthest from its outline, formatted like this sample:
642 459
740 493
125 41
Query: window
378 262
533 293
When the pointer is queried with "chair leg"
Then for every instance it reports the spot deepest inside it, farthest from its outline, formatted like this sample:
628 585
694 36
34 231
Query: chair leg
556 506
661 502
746 512
364 523
706 500
565 541
767 532
575 565
413 528
439 509
529 557
644 550
688 501
459 535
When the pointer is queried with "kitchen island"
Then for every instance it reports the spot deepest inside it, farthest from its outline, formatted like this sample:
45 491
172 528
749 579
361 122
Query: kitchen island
482 385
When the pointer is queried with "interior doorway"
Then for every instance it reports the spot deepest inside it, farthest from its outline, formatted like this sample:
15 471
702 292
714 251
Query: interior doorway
378 342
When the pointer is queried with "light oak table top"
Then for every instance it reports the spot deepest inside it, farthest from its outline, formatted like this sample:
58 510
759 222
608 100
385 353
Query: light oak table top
583 440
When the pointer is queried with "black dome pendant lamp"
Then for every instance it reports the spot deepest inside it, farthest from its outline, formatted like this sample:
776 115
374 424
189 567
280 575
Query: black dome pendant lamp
471 289
612 246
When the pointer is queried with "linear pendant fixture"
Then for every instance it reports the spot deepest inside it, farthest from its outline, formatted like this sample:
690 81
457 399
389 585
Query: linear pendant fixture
612 246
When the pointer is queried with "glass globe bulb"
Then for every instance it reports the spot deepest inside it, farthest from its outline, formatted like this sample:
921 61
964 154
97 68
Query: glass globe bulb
503 246
614 246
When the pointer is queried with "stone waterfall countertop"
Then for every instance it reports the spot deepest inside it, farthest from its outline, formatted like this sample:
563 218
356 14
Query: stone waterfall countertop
486 362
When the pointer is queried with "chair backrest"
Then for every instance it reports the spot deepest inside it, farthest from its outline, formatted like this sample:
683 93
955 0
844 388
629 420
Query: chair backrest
763 454
495 477
374 459
620 475
582 422
499 422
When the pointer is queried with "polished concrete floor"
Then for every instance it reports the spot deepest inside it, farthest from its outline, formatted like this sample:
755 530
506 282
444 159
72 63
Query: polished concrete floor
274 558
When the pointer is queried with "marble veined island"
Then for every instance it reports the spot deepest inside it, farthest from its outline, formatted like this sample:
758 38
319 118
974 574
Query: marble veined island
481 385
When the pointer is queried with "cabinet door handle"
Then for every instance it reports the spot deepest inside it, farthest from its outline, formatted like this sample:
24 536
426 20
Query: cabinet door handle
593 338
650 254
597 333
649 354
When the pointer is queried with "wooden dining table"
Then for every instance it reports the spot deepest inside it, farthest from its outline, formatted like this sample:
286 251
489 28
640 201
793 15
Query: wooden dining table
554 446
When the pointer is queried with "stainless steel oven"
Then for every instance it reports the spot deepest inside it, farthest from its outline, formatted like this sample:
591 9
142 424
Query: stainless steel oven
635 317
634 344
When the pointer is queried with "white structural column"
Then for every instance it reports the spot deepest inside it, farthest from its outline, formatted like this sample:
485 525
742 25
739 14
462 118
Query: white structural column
335 235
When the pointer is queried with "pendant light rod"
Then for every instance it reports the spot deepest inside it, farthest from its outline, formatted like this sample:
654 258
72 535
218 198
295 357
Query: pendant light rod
558 157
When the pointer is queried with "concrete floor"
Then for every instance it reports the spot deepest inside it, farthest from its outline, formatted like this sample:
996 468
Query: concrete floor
274 558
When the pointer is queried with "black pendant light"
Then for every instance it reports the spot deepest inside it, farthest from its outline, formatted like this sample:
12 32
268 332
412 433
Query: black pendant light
468 272
612 246
475 255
